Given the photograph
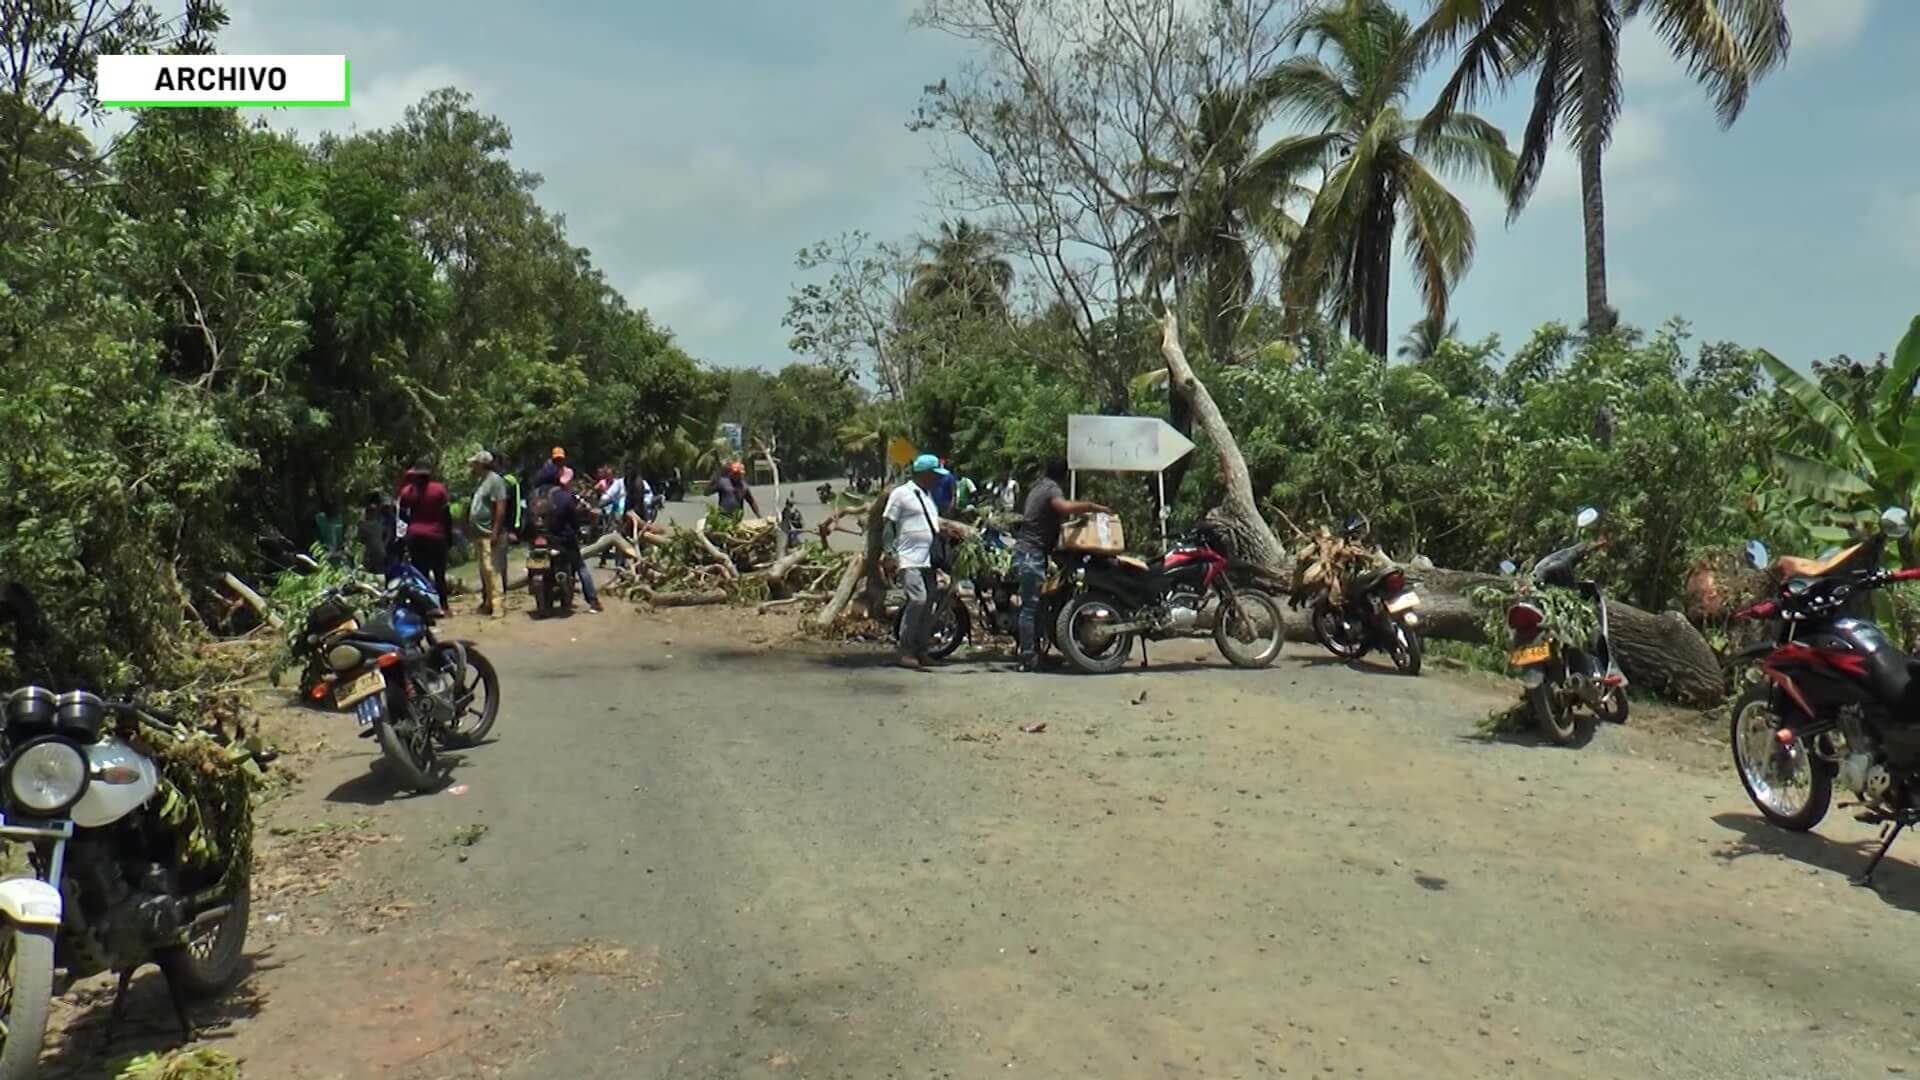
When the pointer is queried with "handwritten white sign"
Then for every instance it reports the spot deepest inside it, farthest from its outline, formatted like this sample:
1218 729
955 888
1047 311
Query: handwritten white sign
1123 444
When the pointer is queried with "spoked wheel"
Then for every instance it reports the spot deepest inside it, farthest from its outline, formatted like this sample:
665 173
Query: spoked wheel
26 989
1403 644
1082 634
210 960
1790 786
1250 629
1331 628
476 695
951 625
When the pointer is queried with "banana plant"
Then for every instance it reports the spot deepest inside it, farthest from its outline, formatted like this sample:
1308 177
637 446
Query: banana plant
1867 459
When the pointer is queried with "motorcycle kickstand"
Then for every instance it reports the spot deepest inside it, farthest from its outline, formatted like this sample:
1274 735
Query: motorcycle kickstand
1865 879
1143 652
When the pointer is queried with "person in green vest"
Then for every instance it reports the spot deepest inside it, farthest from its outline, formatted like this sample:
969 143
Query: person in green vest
515 506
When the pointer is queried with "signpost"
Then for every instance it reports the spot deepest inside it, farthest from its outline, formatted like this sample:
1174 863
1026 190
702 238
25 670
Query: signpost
1125 444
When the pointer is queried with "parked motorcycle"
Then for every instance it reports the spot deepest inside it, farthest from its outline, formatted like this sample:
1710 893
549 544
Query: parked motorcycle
1836 699
1188 592
124 868
412 692
1378 609
1560 675
549 579
997 597
825 491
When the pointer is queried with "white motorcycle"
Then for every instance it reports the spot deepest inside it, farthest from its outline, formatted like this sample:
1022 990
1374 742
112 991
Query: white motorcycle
126 868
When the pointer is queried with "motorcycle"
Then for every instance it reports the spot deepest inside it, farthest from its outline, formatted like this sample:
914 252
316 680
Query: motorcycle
1558 675
549 579
825 491
1836 699
1185 593
997 595
411 692
1379 608
124 867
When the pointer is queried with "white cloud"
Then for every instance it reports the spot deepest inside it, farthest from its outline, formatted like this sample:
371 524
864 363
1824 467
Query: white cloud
681 299
380 99
1638 171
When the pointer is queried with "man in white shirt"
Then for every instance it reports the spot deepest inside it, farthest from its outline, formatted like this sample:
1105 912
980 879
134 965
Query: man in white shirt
913 523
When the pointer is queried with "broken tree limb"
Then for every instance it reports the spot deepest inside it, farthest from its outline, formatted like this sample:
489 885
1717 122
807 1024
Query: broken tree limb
611 540
1253 538
686 598
721 558
777 573
849 580
254 600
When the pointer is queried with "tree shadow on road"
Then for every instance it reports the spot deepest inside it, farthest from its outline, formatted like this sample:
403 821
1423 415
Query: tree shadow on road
81 1049
1896 883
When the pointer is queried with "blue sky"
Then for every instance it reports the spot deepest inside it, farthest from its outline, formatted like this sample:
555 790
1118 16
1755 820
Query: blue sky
694 148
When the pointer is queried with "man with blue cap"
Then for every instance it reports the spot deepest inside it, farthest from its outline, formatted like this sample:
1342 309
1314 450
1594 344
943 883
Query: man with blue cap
915 528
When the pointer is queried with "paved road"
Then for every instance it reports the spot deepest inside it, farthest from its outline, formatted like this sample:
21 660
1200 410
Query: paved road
821 867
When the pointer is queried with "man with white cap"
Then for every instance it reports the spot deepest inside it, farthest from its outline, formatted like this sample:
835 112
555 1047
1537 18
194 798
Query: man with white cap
487 518
915 527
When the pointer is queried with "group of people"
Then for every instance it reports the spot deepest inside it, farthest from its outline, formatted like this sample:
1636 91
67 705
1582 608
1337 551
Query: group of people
920 538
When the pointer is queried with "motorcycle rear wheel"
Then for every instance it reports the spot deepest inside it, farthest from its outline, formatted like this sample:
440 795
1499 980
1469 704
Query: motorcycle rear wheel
951 625
1074 629
1754 746
27 970
207 965
1263 647
1557 719
411 754
537 585
1405 646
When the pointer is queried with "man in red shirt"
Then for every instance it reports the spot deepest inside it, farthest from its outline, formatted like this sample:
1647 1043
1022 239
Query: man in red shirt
423 506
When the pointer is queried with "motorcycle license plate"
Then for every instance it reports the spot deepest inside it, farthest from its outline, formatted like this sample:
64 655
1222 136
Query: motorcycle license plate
369 709
537 560
360 689
1406 601
1531 654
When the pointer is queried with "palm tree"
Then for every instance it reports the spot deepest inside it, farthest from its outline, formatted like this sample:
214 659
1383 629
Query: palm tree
1213 210
1380 167
964 265
1423 338
1572 49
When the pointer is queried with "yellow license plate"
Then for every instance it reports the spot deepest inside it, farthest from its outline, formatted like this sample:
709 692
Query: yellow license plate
1531 654
363 687
537 560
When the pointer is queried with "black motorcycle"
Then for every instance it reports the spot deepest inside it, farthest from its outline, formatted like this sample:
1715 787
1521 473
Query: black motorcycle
996 595
1562 675
1379 609
412 692
123 866
1188 592
549 577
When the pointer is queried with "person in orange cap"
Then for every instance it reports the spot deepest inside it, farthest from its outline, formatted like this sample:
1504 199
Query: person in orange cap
733 491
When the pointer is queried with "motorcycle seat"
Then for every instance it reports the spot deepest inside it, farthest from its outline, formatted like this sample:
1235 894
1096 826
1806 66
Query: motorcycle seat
1791 566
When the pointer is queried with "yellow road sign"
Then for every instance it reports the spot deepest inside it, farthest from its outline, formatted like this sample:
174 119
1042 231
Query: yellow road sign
900 451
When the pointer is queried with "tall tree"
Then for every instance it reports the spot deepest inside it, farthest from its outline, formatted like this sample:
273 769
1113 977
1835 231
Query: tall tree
1214 225
1380 166
1571 48
964 266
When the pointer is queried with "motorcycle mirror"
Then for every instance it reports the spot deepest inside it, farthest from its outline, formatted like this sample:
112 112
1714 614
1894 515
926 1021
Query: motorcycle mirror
1893 522
1756 555
1586 517
1508 567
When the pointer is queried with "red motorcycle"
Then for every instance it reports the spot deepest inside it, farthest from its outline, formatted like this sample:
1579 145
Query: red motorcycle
1837 698
1119 599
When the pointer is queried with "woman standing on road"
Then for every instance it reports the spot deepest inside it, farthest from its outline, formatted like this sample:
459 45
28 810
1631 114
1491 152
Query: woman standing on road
424 507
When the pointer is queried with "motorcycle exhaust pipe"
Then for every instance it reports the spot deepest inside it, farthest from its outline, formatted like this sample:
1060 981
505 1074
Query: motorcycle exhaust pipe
210 915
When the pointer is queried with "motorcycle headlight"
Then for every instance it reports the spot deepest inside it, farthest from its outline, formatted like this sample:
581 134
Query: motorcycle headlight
46 776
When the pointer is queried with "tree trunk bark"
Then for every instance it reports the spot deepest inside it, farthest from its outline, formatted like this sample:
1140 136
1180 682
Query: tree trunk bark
1257 545
875 593
1593 204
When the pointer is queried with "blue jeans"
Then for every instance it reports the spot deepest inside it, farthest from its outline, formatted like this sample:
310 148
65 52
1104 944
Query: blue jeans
578 564
1030 567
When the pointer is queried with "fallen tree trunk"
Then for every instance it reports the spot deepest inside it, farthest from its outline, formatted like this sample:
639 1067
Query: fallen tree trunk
842 596
724 560
690 598
254 600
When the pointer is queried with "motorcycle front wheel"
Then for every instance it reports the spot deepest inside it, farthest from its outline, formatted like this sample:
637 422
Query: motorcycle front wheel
1790 787
27 972
410 752
1083 640
1250 629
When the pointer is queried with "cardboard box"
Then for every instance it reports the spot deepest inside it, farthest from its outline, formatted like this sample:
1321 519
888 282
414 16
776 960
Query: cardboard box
1095 534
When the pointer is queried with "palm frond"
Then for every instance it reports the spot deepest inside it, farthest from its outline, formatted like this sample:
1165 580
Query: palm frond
1439 235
